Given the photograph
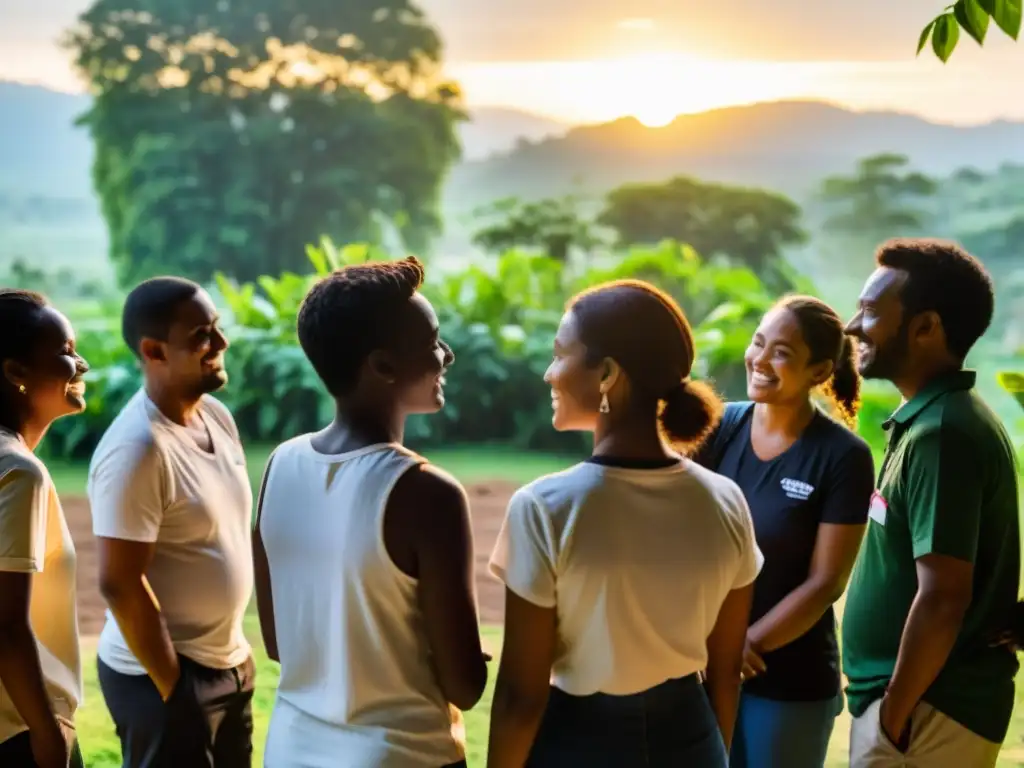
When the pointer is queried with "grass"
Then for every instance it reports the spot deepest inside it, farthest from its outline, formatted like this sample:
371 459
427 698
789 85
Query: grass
100 745
101 749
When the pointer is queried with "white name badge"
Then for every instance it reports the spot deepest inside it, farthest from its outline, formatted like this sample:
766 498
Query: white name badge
878 508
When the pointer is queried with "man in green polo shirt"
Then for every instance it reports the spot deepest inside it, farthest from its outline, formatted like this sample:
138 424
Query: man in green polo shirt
937 576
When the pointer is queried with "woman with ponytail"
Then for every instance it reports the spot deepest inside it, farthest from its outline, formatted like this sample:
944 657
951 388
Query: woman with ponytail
631 572
808 480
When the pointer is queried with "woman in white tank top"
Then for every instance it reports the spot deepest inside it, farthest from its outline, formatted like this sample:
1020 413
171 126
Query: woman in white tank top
363 551
631 573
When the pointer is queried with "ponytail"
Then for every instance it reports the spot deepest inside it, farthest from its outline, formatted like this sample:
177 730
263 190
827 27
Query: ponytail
844 386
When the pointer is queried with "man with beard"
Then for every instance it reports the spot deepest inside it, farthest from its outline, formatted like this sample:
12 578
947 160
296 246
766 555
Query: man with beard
172 505
938 572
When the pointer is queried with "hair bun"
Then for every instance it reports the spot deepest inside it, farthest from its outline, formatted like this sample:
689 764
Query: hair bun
691 411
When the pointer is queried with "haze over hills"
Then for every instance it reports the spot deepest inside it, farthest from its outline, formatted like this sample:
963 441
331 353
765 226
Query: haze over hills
47 205
787 146
42 152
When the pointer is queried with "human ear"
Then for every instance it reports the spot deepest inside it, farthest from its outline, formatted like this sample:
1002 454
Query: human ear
822 372
611 371
152 350
382 366
16 373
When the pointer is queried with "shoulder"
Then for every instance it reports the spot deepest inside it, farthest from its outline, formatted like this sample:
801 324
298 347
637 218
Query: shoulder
558 490
426 486
22 467
719 489
839 441
132 430
733 414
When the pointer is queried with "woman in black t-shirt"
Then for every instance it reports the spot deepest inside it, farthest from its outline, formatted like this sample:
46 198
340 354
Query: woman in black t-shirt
808 480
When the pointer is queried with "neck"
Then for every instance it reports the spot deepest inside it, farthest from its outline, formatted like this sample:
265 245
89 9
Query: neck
912 384
358 426
32 433
180 410
789 419
629 438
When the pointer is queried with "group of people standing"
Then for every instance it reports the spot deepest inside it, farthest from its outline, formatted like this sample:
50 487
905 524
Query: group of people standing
669 601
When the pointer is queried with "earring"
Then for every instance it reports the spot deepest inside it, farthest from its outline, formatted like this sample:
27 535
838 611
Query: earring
21 389
605 408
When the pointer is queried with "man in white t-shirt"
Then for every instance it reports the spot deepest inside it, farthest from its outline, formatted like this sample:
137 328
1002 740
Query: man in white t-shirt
171 505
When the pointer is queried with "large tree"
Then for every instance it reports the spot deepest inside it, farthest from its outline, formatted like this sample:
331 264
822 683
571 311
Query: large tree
555 227
229 134
747 227
880 199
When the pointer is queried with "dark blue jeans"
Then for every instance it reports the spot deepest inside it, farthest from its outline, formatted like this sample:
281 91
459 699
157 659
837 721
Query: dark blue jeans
667 726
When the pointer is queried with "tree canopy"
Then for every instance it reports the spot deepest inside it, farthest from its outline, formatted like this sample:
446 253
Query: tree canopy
553 226
228 133
748 227
878 200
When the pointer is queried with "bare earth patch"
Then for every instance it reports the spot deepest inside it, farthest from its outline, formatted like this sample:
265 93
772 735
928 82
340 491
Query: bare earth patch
487 503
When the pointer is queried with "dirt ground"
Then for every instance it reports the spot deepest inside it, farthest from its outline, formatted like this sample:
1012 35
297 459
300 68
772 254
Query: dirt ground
487 502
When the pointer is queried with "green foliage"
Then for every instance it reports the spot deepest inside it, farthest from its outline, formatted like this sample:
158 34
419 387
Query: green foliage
499 320
553 227
879 199
225 133
1013 382
973 16
746 227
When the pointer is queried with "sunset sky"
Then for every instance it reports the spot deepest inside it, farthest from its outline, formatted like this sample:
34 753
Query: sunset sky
591 60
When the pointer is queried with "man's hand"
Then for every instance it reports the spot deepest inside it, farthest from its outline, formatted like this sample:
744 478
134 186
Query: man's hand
1011 636
49 747
753 663
895 727
167 685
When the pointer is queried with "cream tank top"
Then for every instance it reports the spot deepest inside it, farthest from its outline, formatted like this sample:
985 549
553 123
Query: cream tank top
357 685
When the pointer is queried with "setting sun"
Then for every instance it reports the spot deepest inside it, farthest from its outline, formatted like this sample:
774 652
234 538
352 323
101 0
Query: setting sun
654 88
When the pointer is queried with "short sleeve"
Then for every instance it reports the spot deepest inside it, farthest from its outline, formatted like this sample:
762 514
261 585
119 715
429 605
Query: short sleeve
525 553
943 494
848 488
126 492
24 503
751 558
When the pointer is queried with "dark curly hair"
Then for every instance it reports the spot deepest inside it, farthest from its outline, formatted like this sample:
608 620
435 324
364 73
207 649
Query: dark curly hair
945 279
350 313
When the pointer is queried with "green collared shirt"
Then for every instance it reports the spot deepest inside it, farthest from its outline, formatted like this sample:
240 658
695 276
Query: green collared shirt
948 485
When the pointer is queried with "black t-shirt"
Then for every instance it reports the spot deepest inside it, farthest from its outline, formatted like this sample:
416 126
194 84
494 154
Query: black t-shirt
826 476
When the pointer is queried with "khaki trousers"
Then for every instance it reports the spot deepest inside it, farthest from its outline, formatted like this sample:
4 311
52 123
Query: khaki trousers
935 742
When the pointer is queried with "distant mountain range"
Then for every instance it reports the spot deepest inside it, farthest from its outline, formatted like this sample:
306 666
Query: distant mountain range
42 152
787 146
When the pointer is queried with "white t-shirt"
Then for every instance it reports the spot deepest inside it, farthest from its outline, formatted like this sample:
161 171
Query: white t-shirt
637 563
34 538
149 481
357 684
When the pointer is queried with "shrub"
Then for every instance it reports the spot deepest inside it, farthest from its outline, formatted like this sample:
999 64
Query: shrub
499 319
